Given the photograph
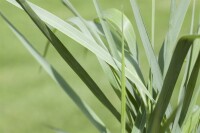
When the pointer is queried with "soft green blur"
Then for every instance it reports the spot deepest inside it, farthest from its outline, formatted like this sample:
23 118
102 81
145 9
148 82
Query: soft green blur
30 101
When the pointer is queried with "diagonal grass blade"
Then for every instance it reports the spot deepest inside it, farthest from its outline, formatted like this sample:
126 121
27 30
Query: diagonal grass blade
95 120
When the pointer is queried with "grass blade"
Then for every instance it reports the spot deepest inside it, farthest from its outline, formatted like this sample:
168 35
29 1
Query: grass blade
114 16
192 59
95 120
171 77
162 52
148 47
107 32
69 59
123 85
176 21
189 90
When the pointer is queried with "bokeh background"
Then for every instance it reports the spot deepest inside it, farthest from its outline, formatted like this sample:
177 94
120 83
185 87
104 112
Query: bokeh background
30 101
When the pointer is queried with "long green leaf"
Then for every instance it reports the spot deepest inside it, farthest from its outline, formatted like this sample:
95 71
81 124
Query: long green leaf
170 80
162 52
107 32
158 80
95 120
123 85
192 58
88 43
189 90
67 56
176 21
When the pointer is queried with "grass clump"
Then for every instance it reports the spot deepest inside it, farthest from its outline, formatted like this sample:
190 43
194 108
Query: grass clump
111 37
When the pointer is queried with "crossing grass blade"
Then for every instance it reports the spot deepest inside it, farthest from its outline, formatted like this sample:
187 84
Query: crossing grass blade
89 113
171 77
69 59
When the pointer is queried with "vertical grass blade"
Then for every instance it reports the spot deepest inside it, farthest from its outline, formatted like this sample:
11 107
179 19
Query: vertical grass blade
69 59
189 56
171 77
89 113
176 21
158 80
189 90
123 85
107 32
162 52
190 66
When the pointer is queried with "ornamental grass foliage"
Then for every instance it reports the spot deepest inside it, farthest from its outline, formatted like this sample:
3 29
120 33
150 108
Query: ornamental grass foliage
145 102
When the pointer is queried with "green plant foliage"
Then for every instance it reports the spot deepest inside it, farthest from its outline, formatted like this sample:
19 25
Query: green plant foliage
111 37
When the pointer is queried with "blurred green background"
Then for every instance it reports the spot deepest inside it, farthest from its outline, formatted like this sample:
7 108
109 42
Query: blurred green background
29 100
